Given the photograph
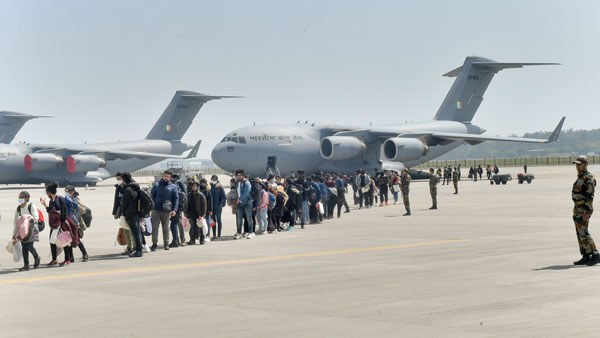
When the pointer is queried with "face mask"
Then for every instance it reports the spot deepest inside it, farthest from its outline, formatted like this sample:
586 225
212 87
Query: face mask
214 182
119 182
21 201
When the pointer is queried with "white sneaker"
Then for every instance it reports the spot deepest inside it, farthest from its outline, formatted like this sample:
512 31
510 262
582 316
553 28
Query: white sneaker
206 239
244 234
250 235
237 236
146 248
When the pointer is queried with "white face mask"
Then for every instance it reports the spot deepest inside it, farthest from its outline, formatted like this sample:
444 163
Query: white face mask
119 182
21 201
214 182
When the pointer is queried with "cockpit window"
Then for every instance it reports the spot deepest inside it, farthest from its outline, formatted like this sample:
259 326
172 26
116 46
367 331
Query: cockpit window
234 139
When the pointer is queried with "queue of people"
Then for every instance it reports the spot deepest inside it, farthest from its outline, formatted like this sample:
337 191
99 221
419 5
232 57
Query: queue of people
190 212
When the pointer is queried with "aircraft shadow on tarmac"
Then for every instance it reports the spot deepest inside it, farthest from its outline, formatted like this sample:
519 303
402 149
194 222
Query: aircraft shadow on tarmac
560 267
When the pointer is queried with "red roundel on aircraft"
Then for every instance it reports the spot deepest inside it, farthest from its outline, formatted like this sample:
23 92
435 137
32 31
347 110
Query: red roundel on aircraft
28 163
71 164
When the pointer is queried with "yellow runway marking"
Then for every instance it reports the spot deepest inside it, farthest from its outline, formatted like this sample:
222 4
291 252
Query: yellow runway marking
226 262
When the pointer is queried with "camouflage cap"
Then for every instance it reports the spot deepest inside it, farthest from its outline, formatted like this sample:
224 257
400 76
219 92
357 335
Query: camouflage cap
581 159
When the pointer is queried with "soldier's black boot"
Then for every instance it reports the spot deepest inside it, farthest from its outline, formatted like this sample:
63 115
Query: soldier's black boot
584 259
595 259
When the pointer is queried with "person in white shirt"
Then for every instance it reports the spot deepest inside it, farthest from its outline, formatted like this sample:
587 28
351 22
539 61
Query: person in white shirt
25 207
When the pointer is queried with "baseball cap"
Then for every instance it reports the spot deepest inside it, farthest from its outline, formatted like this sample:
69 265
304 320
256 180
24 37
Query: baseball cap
580 159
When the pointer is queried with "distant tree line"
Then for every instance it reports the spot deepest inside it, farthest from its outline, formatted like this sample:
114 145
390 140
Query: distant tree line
570 141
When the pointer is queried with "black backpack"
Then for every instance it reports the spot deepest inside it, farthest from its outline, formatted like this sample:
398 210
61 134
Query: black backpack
255 191
183 201
87 217
312 194
145 204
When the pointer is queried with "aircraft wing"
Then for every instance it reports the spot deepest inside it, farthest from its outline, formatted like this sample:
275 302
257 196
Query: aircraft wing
474 138
110 154
125 154
481 138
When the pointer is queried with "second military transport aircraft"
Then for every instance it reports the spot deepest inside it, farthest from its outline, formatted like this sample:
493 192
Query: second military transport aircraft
88 164
285 148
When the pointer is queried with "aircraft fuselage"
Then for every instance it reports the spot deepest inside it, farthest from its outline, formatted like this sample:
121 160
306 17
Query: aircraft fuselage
287 148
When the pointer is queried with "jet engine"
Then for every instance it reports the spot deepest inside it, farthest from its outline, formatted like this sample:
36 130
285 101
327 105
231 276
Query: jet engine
84 163
404 149
40 162
341 147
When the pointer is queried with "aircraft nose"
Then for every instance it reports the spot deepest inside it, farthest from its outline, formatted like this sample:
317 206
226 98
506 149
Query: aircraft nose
218 155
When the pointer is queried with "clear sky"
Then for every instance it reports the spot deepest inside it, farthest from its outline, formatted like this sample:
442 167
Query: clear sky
107 69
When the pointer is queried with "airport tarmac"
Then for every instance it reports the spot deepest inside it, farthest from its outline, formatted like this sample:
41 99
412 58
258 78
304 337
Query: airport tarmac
493 261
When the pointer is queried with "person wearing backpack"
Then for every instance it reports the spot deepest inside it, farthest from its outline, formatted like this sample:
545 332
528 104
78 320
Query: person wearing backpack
166 202
74 196
196 210
129 210
27 216
219 200
59 220
314 196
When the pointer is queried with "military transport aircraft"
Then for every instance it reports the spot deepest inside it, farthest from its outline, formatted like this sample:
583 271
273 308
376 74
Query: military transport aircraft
92 163
288 147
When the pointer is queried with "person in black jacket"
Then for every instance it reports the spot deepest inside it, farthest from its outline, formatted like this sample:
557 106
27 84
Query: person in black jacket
196 210
205 190
118 195
57 203
129 210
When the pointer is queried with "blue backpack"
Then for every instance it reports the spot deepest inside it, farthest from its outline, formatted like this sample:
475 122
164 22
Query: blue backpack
73 209
271 200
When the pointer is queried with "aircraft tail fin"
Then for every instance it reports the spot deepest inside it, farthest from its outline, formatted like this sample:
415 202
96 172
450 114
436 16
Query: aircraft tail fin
11 123
179 114
194 152
472 79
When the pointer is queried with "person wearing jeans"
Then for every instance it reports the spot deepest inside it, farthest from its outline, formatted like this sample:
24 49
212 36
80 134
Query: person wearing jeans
27 208
244 205
263 205
219 200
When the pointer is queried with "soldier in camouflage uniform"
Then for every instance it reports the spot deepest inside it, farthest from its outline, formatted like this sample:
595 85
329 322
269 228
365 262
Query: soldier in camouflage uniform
455 181
405 187
433 180
583 197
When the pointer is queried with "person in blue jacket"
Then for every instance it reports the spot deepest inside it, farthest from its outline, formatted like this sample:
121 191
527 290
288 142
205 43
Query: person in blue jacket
324 197
166 202
244 205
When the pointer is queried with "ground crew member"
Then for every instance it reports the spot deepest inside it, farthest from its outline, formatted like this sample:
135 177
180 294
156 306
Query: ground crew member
433 180
455 180
583 197
405 186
